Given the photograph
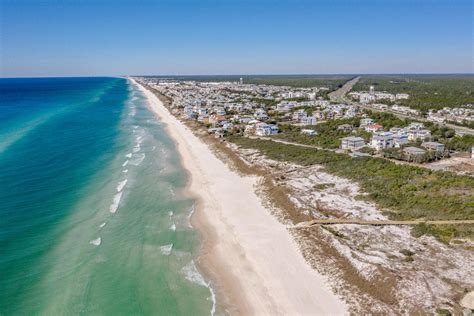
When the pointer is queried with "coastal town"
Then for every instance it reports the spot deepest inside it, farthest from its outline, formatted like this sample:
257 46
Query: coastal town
261 110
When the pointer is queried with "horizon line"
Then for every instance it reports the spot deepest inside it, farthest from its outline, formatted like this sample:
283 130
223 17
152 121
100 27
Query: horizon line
242 75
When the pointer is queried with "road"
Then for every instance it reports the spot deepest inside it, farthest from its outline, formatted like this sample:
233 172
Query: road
338 95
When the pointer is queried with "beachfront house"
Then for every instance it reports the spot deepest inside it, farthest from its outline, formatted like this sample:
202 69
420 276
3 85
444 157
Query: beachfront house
352 143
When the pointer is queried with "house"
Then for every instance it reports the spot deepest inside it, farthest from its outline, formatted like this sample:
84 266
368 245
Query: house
414 151
345 127
382 141
400 139
189 112
366 121
216 119
366 98
401 96
309 132
308 120
263 129
299 114
245 119
433 146
213 130
352 143
397 130
414 134
416 125
260 114
219 110
373 128
202 111
227 126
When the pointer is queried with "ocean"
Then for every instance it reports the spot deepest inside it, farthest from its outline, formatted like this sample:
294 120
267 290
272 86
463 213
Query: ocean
93 219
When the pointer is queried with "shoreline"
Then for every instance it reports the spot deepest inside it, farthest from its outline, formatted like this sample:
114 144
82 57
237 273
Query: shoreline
253 260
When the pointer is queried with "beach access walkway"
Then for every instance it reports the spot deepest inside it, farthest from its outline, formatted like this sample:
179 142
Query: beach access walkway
337 221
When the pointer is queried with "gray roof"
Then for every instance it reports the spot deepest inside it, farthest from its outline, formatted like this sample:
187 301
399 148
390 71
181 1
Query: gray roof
414 150
431 144
353 139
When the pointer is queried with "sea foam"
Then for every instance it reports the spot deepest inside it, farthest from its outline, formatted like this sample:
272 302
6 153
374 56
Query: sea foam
96 242
192 274
166 249
137 159
125 163
115 204
121 185
173 227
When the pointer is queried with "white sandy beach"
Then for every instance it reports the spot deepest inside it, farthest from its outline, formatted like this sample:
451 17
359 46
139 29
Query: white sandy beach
251 257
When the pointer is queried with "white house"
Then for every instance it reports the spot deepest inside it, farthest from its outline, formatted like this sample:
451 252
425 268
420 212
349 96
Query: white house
352 143
366 98
418 134
263 129
308 120
366 121
309 132
382 140
400 139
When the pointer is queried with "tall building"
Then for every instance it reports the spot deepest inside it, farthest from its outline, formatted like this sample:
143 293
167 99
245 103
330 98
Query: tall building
241 80
372 90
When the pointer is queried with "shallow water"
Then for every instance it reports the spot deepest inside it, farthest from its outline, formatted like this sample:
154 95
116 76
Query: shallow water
89 219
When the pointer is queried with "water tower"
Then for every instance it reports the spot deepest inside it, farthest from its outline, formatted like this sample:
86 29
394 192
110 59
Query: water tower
372 90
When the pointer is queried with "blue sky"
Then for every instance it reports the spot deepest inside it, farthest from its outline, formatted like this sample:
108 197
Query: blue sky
98 37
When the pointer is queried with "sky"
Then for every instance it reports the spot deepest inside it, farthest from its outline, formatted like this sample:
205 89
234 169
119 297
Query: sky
179 37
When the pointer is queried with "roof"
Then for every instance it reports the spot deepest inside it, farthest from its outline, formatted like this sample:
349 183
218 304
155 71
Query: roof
414 150
374 126
353 139
431 144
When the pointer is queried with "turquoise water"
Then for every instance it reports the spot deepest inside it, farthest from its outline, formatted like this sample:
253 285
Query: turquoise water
92 219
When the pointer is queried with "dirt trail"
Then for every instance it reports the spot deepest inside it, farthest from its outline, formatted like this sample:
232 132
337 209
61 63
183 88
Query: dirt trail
384 222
